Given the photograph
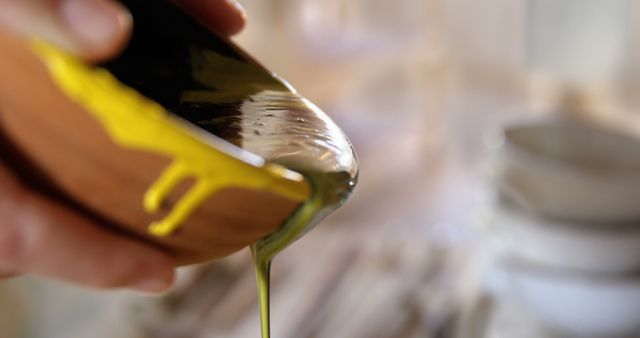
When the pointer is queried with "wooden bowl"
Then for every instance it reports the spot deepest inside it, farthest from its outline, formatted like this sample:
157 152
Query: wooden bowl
52 141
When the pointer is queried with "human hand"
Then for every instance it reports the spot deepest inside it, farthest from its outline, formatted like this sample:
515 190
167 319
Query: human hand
42 236
98 29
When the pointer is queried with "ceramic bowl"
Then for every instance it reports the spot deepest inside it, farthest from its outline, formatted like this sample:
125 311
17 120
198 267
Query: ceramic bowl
573 304
563 244
571 170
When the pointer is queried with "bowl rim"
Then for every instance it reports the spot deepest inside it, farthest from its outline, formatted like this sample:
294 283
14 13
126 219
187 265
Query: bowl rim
504 210
521 153
517 266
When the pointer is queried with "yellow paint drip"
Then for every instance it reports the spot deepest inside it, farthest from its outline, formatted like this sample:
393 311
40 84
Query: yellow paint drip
134 121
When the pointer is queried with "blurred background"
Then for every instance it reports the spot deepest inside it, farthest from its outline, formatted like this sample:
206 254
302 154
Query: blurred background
423 88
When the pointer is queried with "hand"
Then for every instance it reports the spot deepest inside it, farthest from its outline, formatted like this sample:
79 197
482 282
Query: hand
42 236
98 29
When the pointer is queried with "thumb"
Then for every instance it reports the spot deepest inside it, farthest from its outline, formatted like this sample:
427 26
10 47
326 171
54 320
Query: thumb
93 29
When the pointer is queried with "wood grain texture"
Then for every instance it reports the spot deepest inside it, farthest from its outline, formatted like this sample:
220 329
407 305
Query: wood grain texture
65 147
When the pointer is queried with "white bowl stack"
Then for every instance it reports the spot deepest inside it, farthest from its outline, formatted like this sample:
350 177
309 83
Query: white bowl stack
565 227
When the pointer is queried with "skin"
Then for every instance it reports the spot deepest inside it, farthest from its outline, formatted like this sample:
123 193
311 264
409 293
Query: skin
43 237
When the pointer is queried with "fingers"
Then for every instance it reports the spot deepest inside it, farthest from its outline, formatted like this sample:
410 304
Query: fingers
226 17
93 29
99 29
39 236
8 274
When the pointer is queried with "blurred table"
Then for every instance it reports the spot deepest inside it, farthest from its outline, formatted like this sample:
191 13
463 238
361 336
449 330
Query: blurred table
391 264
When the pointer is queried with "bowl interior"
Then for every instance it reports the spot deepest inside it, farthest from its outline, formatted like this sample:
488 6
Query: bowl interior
209 82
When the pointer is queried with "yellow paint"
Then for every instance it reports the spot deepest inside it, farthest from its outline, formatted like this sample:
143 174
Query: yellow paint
135 121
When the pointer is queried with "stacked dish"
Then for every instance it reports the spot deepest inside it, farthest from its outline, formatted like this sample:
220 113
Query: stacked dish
564 227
